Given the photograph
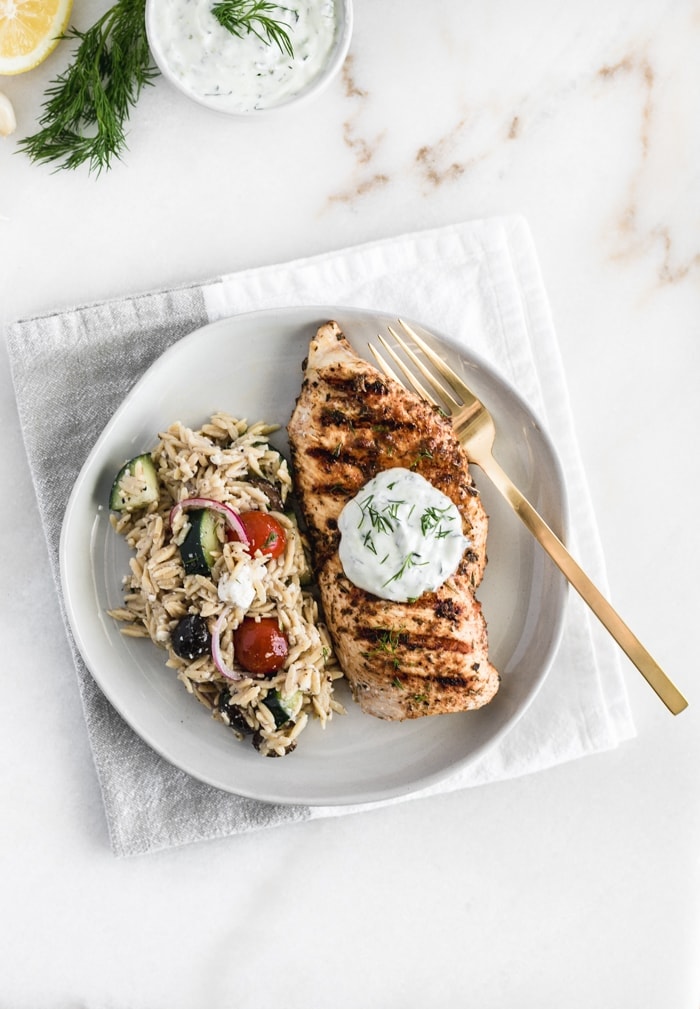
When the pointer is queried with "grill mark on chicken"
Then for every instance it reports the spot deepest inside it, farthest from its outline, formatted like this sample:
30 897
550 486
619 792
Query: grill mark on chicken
429 642
332 417
350 422
329 458
357 384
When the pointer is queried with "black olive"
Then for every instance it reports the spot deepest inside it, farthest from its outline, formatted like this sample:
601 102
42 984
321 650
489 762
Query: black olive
258 740
273 495
191 637
233 715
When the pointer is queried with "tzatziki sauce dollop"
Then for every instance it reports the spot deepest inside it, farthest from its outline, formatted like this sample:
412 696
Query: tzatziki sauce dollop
400 536
240 75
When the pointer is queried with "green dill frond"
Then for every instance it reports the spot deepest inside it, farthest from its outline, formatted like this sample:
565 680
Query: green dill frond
87 106
432 517
411 560
253 16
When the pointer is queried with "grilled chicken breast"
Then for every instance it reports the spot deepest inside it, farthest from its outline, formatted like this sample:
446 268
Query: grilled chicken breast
402 660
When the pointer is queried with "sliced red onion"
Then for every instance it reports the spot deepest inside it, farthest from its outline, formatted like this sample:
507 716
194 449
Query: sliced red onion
224 669
233 519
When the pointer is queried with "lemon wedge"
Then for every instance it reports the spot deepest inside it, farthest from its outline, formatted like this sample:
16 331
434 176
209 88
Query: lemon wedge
29 31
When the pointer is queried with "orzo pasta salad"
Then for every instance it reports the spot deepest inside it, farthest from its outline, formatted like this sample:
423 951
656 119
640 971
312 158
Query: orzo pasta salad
219 578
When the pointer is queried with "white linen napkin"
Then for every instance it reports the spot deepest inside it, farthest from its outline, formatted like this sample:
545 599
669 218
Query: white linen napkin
478 281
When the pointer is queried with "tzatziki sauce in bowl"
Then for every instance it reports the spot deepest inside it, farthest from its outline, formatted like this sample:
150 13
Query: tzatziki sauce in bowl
248 74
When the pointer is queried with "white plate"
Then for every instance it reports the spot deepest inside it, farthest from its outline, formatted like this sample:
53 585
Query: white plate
251 366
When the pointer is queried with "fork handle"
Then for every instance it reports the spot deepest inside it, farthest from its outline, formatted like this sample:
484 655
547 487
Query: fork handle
630 644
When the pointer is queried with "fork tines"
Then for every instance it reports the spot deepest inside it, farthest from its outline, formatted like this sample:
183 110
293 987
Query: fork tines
426 372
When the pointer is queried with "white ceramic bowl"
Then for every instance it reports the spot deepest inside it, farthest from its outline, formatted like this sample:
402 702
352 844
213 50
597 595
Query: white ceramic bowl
328 69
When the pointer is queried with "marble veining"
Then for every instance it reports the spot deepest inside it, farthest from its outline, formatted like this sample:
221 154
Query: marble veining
635 237
363 148
620 89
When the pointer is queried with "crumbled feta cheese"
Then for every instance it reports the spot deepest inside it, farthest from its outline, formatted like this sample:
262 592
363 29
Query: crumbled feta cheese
238 589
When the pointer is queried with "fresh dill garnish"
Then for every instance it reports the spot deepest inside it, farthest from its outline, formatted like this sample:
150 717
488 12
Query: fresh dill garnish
432 517
379 521
387 643
362 505
253 17
411 560
423 454
88 105
392 509
383 519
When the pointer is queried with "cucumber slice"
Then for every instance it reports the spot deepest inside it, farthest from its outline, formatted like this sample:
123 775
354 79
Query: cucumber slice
282 708
201 545
135 485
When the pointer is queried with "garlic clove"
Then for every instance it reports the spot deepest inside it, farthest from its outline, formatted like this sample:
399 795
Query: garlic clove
8 122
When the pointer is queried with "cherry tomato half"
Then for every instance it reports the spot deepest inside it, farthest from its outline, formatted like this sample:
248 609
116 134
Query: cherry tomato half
264 533
260 646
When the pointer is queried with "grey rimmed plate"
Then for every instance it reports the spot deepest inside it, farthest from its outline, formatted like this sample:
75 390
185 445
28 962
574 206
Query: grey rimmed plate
251 366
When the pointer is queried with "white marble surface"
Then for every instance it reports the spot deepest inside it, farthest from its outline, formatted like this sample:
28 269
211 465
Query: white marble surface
576 886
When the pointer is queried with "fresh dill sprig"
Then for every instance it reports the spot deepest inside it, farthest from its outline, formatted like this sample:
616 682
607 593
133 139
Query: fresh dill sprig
432 517
385 518
379 521
411 560
392 509
368 542
386 643
253 16
88 105
389 640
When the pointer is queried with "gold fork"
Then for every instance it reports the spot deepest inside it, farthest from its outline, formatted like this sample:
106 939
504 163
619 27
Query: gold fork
475 429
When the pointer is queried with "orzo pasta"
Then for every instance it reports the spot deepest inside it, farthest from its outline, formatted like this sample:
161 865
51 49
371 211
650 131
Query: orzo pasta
219 579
